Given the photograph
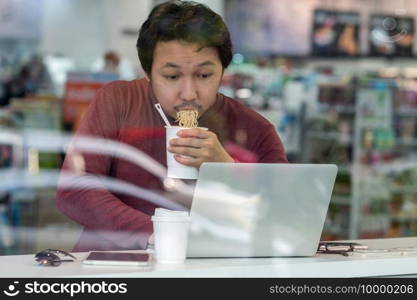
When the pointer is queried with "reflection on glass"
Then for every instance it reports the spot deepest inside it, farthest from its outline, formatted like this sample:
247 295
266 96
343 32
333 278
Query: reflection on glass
259 209
27 185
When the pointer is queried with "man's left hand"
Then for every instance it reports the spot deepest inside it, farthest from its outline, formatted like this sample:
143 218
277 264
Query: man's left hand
199 145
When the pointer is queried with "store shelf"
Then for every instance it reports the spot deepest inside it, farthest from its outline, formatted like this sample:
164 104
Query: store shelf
373 123
326 135
404 218
395 166
342 109
408 190
409 142
341 199
366 200
405 112
367 191
343 169
335 230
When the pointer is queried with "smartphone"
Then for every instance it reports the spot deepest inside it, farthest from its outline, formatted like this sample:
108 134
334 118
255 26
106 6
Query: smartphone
117 258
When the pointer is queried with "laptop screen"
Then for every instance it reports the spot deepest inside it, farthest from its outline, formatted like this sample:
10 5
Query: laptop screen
259 210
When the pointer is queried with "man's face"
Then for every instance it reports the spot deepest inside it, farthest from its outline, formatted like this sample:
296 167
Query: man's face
183 76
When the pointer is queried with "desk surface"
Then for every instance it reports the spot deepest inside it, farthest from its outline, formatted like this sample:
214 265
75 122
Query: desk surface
321 265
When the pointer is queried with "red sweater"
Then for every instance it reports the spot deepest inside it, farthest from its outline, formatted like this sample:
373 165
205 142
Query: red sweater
123 111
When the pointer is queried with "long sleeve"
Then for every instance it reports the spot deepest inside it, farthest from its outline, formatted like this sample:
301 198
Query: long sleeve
270 148
99 210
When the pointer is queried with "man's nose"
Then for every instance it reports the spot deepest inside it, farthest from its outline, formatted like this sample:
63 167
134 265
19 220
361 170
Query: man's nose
188 91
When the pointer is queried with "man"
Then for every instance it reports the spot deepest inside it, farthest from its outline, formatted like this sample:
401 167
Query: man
184 48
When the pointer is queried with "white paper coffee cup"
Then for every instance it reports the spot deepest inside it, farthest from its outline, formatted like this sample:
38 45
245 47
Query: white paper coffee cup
163 212
176 169
171 236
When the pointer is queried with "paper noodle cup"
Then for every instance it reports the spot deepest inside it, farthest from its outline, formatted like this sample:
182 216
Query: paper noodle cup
176 169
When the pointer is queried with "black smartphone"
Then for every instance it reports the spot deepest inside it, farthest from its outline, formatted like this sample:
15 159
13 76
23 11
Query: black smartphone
116 258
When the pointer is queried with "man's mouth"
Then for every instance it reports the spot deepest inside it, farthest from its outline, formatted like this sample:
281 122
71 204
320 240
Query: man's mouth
188 107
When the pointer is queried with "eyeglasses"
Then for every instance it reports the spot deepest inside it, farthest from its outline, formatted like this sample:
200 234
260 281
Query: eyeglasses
50 257
342 248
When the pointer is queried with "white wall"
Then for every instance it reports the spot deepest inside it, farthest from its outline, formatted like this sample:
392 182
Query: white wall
120 16
216 5
73 28
20 19
130 14
284 26
85 29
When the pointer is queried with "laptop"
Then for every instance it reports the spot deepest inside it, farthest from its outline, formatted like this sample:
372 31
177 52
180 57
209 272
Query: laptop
259 210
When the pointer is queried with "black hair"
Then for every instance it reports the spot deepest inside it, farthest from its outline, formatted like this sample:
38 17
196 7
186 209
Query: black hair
186 21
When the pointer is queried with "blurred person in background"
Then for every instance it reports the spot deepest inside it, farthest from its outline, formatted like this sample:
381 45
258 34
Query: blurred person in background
113 62
32 78
184 48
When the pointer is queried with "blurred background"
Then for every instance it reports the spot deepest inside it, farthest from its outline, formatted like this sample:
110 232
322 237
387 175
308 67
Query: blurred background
338 79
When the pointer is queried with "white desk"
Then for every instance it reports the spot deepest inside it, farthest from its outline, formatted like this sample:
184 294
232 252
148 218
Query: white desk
322 265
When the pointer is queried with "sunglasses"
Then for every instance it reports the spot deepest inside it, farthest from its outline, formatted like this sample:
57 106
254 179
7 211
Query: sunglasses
342 248
50 257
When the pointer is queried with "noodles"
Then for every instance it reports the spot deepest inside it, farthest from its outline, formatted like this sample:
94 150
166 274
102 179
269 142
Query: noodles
187 118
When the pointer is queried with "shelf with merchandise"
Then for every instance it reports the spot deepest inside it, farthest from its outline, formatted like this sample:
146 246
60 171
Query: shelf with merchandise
406 142
329 135
400 229
372 142
333 136
336 225
382 133
409 190
374 226
405 115
330 231
398 179
341 199
328 146
343 184
344 168
402 218
338 108
406 112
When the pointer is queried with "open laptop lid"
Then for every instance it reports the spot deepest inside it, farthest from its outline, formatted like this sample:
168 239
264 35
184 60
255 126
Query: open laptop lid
259 210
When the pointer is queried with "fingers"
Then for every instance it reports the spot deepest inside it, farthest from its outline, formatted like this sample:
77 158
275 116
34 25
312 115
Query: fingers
188 151
187 142
190 156
198 146
188 161
195 137
195 132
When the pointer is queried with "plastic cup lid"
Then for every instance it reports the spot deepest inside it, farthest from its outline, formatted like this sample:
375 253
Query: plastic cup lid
163 212
176 219
166 215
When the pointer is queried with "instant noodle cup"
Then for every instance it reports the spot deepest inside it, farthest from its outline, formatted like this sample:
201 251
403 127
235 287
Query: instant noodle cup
176 169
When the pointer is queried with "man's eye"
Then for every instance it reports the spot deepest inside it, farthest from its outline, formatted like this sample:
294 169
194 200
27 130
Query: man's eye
204 76
171 77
